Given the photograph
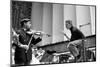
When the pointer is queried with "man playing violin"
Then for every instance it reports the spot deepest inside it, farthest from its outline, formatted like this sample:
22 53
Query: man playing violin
23 52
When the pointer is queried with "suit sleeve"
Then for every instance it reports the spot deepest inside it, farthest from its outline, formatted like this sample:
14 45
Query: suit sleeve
35 41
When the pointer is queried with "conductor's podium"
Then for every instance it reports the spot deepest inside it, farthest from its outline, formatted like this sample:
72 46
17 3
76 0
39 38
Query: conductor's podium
61 50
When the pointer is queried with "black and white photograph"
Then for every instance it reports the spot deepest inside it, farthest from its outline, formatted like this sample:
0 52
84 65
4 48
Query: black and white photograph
46 33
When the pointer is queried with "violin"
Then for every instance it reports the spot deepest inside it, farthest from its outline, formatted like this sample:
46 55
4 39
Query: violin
38 33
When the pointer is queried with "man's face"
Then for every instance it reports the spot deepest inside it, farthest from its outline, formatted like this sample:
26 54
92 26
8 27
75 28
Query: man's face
28 24
68 25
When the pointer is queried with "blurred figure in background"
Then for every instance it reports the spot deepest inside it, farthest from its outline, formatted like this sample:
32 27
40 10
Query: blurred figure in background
77 36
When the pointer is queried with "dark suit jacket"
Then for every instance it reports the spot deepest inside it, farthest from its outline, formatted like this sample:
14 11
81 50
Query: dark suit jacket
20 53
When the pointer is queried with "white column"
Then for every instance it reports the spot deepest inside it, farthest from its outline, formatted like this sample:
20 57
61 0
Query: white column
47 22
69 14
84 19
37 16
93 19
58 23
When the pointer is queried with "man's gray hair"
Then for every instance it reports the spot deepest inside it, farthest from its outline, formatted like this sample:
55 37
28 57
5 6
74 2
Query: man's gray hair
68 21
